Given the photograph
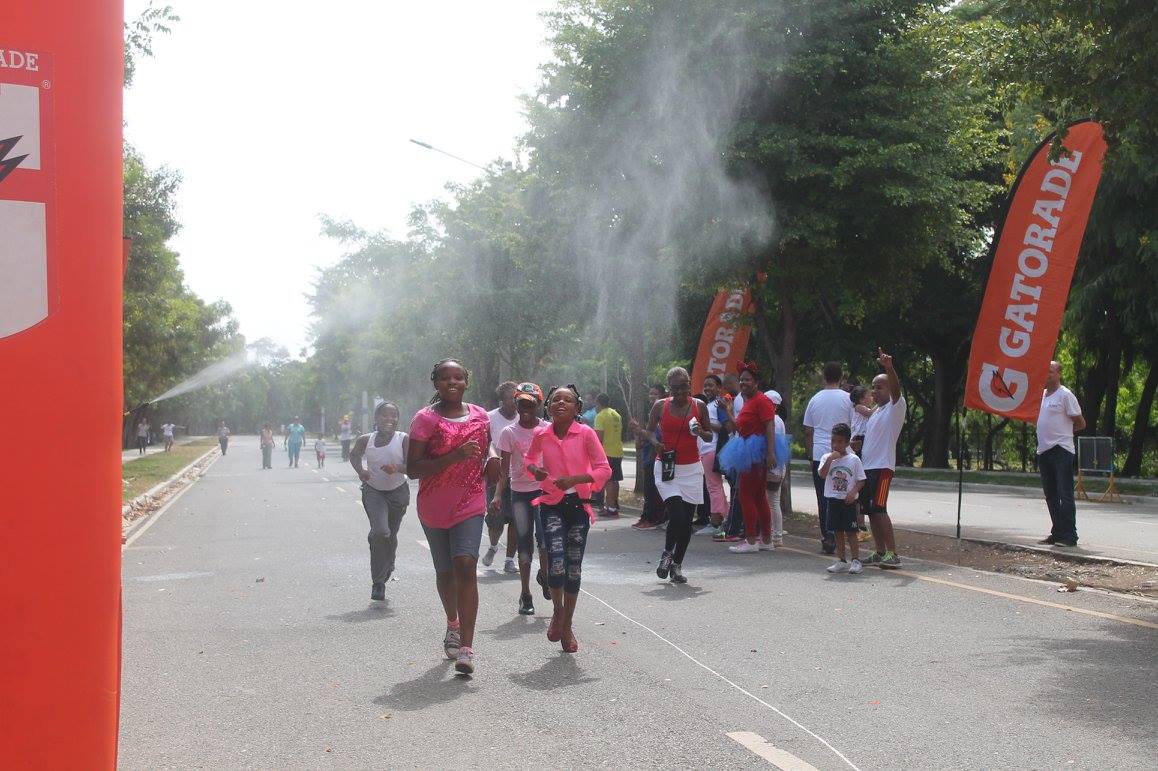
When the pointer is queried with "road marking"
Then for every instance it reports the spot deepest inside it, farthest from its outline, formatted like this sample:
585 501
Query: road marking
314 470
157 515
995 593
424 544
1138 522
705 667
170 577
339 488
325 479
785 761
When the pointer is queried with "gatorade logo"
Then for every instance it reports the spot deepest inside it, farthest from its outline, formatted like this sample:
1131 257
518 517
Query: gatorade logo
26 195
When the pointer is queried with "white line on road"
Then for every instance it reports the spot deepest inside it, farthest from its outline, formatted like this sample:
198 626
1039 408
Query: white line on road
785 761
325 479
1139 522
314 470
424 544
705 667
339 488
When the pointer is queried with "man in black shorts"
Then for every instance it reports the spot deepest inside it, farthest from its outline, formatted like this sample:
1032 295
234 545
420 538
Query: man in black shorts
879 453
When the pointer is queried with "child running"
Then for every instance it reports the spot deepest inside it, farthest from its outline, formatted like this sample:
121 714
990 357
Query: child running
385 492
517 490
843 476
320 451
448 442
567 459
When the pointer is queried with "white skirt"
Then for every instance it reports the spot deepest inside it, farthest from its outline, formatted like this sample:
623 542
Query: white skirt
688 483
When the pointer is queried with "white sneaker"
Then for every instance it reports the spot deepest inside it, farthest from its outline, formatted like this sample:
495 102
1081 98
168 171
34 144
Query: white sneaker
766 546
489 557
840 566
855 567
510 566
709 530
744 548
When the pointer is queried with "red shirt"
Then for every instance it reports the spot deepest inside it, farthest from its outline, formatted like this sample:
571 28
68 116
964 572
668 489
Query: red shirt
755 415
677 434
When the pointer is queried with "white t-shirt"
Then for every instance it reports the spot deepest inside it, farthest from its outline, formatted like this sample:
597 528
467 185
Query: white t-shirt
167 430
1055 425
499 422
709 445
843 475
825 409
320 446
881 433
858 422
517 440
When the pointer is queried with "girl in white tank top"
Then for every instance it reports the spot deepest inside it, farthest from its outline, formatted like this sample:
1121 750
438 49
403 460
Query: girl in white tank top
390 455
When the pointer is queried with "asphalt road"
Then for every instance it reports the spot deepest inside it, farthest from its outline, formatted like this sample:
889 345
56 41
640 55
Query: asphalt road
250 642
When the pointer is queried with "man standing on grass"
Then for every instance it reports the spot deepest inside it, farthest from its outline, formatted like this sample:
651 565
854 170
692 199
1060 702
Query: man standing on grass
879 455
1060 417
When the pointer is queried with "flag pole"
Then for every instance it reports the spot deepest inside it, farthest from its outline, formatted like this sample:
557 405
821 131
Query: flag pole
960 468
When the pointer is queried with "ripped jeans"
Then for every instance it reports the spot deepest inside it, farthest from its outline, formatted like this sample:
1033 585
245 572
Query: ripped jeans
565 527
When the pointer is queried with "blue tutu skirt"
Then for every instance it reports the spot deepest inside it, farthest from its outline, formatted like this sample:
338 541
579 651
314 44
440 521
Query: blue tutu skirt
742 453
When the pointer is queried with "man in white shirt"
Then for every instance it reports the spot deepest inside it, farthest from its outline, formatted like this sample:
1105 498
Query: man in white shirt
1060 417
825 409
879 455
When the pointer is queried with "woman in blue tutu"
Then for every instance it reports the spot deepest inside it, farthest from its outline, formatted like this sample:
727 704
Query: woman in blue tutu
752 454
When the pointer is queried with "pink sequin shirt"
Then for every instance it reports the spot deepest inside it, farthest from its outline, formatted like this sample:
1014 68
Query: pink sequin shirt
578 452
458 492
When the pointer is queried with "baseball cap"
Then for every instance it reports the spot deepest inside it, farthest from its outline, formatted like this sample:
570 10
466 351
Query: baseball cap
774 396
528 391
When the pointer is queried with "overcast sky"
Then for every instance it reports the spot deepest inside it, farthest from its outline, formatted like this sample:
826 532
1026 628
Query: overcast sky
274 116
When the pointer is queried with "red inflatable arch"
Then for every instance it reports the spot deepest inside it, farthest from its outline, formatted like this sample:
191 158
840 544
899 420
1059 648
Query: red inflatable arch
60 382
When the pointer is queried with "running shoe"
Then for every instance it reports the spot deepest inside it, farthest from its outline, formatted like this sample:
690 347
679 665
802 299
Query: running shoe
489 557
744 548
677 574
719 535
664 565
873 558
510 566
609 514
378 592
778 541
840 566
765 546
890 561
541 579
855 567
526 605
709 530
644 525
464 661
451 643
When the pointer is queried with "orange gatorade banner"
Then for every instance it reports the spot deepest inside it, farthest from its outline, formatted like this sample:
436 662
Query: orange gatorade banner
61 181
724 341
1034 255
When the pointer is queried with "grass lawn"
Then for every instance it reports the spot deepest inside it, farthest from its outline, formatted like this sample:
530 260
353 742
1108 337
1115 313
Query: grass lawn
143 474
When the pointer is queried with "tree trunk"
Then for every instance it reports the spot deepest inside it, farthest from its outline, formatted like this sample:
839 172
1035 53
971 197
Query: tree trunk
785 370
1109 422
937 424
1133 465
1093 392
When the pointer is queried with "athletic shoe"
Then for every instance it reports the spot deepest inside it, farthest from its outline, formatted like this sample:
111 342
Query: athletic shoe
840 566
1064 542
451 643
644 525
677 575
855 567
1049 540
719 535
378 592
489 557
510 566
873 558
778 541
609 514
709 530
541 579
744 548
464 662
890 561
762 546
526 605
664 565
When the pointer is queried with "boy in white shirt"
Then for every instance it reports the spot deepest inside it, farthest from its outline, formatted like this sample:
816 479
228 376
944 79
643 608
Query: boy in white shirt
320 451
843 476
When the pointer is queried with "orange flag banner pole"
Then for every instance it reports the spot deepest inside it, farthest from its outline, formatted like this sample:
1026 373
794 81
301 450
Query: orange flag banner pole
1034 255
724 341
61 76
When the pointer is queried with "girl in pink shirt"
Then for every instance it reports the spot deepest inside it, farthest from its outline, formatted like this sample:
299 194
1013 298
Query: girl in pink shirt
448 442
567 459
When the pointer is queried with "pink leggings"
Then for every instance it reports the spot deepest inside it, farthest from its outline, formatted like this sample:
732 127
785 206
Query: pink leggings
719 504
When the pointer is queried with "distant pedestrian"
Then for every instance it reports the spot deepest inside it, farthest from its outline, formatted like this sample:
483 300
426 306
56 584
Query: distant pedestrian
142 436
609 428
1059 418
879 455
843 476
267 443
168 428
385 491
825 409
497 520
295 438
320 451
448 455
717 415
345 436
223 436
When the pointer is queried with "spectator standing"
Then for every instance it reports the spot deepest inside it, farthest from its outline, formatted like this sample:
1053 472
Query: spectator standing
879 455
1059 418
345 436
827 407
142 436
609 428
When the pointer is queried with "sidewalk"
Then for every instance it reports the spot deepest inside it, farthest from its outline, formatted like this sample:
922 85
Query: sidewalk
1016 517
128 456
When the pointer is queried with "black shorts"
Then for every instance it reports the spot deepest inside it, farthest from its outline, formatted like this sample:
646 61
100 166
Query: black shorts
616 469
505 515
841 516
874 496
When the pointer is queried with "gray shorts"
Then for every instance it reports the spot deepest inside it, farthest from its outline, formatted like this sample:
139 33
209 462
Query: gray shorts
461 540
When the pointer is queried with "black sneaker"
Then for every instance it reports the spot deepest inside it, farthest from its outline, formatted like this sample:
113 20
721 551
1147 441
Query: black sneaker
828 546
542 581
664 565
1065 542
677 575
378 592
1049 540
526 605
